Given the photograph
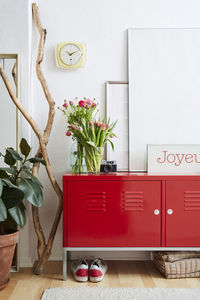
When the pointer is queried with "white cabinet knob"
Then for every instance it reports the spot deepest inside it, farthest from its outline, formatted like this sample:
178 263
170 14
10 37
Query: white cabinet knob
170 211
156 212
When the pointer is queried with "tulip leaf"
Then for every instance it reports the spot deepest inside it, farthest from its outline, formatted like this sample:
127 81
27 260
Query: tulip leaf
112 145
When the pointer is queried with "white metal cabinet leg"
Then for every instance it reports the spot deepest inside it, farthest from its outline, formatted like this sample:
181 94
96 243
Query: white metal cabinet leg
64 264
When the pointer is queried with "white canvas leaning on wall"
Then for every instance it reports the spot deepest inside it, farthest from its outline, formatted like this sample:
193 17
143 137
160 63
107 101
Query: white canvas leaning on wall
164 89
117 109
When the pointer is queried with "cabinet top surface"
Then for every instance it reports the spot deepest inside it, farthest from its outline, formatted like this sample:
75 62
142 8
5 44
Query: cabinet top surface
130 176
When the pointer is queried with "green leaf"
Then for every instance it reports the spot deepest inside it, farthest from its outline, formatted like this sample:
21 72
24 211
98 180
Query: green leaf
112 145
9 183
25 168
12 196
36 160
1 186
35 179
18 215
3 211
9 170
91 144
3 174
8 159
24 147
14 154
32 191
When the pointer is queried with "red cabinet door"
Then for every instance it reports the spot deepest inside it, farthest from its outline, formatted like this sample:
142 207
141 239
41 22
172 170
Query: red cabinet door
183 214
113 213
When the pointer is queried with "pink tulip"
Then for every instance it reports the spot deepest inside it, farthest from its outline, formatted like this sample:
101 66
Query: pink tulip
65 104
87 101
81 103
103 126
71 102
72 126
91 125
68 133
88 105
98 124
93 104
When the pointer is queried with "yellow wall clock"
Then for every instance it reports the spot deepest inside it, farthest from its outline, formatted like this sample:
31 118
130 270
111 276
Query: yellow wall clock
70 55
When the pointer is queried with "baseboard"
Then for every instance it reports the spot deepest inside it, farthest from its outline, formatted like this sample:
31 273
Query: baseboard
27 262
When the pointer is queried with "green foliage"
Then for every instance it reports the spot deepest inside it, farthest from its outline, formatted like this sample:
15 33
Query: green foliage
18 184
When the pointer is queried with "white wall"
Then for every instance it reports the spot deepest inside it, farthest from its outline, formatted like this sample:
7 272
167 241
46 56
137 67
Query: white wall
102 25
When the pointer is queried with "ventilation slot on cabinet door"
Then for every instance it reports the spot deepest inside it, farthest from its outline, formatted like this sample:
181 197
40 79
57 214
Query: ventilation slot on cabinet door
191 200
132 201
95 201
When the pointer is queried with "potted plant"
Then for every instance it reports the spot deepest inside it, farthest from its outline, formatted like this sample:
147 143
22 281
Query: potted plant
17 183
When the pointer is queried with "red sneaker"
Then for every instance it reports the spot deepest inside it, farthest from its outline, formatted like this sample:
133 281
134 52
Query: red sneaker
80 270
97 270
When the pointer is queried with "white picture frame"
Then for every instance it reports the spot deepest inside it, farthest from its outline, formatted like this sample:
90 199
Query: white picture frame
173 159
117 109
164 89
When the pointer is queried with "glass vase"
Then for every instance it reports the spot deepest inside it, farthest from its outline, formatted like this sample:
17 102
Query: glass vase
77 161
93 159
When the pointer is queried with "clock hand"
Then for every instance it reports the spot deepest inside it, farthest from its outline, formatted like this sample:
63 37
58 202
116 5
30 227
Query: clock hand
73 52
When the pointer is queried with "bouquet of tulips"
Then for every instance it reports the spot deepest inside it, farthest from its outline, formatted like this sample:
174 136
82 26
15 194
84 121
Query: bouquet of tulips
90 134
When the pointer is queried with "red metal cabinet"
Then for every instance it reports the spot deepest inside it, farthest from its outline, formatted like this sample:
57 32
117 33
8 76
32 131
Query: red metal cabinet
113 213
131 210
183 213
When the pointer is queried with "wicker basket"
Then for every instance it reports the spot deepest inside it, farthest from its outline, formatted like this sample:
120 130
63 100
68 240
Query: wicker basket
178 264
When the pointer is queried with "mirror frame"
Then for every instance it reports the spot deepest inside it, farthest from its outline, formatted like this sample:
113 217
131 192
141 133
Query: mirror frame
16 57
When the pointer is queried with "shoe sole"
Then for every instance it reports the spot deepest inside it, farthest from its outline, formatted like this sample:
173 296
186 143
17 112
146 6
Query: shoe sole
81 279
96 279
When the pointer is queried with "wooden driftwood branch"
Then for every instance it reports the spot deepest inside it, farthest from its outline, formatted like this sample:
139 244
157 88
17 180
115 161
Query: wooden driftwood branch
44 249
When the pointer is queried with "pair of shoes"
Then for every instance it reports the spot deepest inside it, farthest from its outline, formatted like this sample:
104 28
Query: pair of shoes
82 272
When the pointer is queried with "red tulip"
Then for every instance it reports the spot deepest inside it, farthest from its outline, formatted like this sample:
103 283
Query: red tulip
68 133
81 103
103 126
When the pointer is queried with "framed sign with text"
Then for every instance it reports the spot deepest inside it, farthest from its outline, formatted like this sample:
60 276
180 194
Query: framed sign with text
173 158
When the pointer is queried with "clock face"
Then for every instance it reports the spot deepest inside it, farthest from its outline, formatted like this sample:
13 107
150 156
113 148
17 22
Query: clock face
70 54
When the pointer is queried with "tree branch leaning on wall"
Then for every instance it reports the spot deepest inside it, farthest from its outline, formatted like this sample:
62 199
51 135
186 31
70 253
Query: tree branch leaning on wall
44 248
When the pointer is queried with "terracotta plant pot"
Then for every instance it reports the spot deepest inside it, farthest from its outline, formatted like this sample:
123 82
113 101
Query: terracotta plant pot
7 248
